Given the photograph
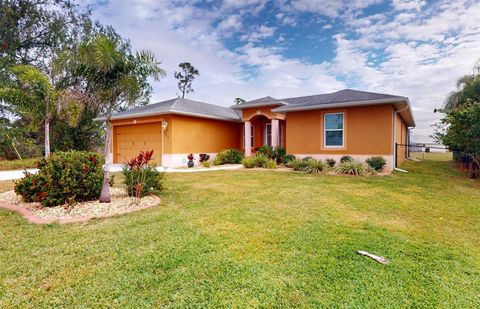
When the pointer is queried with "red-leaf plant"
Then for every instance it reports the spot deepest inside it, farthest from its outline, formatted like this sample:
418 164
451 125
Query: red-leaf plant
139 163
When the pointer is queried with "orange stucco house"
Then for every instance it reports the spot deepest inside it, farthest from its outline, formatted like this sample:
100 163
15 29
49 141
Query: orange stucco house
348 122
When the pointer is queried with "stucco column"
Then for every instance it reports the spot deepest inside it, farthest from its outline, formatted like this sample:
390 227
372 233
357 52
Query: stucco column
248 138
275 132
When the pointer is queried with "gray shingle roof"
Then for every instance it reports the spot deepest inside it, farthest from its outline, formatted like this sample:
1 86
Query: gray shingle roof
346 95
183 107
259 102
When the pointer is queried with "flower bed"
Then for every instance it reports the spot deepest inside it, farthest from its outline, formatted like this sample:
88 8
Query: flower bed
80 212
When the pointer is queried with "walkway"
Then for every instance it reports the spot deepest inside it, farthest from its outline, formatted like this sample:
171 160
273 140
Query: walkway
114 168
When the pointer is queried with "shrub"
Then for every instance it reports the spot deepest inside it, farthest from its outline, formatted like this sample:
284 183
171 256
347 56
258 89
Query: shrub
297 164
64 176
207 164
315 167
32 187
276 153
287 158
346 159
271 164
331 162
307 159
152 180
249 162
352 168
377 163
259 160
204 157
229 156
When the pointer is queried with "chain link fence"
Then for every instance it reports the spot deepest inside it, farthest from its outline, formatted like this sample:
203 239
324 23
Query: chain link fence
466 162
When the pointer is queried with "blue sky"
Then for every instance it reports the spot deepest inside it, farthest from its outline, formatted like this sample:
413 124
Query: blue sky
285 48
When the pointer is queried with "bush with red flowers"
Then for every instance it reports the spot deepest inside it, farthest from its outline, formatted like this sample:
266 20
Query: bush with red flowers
63 177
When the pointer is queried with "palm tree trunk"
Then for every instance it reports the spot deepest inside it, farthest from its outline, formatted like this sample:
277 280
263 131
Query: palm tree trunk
105 194
47 138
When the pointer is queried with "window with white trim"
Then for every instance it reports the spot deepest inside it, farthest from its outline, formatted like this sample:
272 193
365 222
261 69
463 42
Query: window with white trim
334 130
267 137
251 136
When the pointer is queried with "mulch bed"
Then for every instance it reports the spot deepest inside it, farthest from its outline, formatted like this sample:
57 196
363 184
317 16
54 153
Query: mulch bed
120 203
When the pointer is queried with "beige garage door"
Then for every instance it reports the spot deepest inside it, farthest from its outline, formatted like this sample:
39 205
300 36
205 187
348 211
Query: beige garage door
131 139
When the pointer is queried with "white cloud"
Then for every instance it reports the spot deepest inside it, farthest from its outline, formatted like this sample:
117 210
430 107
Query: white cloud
232 22
425 52
407 5
327 26
259 33
332 8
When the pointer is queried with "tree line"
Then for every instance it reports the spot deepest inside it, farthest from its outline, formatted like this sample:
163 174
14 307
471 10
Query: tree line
459 128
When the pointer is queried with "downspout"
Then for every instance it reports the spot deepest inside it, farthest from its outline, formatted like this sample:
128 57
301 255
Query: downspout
395 135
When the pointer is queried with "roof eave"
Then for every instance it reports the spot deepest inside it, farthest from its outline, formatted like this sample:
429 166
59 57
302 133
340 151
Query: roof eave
170 112
245 105
293 108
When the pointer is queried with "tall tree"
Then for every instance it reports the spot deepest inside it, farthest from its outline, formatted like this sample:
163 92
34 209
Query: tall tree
185 77
34 95
117 77
468 90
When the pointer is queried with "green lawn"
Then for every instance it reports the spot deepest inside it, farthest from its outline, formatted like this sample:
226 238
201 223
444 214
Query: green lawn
261 238
18 164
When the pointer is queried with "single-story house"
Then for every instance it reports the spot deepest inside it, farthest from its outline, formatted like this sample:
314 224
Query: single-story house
347 122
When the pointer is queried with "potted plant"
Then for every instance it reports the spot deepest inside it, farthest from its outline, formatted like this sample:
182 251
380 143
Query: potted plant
190 162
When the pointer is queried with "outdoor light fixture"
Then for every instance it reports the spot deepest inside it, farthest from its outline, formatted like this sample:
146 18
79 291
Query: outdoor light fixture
164 124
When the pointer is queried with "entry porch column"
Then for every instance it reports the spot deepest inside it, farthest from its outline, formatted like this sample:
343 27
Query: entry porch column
275 132
247 132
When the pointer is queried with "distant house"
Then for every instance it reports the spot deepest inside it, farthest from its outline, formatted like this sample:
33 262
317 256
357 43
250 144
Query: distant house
348 122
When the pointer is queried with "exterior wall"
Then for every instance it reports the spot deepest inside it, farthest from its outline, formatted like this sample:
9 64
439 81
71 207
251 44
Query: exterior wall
401 139
199 135
185 135
367 132
166 146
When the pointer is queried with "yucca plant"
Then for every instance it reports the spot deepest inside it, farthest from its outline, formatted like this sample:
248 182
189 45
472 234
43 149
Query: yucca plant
249 162
352 168
271 164
316 166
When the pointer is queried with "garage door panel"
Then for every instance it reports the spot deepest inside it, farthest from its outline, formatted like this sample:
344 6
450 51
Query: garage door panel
131 139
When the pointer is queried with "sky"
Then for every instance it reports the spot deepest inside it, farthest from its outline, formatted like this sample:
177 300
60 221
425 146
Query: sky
286 48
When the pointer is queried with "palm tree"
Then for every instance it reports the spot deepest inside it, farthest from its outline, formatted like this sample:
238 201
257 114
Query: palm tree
34 95
116 78
468 90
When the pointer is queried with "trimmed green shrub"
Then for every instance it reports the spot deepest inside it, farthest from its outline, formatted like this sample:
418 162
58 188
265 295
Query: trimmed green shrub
377 163
315 167
229 156
32 187
207 164
352 168
331 162
346 159
152 183
64 177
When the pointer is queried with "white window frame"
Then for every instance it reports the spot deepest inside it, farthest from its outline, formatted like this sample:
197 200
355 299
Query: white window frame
252 136
325 130
266 140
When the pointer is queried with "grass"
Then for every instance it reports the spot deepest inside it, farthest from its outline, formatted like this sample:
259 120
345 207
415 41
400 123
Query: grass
261 239
18 164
